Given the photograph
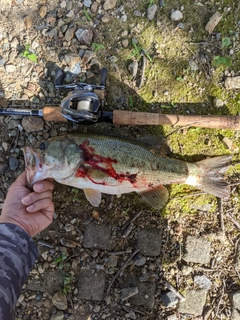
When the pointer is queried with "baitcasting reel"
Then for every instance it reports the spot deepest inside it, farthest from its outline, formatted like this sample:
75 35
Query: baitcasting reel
83 103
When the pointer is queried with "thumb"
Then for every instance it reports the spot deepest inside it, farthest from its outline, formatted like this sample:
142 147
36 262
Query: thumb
21 181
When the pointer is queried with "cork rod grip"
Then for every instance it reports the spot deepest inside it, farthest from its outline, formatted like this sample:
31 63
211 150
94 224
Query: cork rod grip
206 121
51 113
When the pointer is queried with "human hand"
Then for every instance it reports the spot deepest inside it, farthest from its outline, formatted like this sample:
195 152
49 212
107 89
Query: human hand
31 210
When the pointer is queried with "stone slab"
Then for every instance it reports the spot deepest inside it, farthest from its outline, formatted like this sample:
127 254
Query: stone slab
146 291
91 286
97 236
197 250
149 241
194 302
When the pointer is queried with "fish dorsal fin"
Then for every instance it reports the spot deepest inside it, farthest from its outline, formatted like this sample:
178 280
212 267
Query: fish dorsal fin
157 198
158 142
93 196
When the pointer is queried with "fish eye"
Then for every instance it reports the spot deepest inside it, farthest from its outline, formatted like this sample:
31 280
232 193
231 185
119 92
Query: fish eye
43 145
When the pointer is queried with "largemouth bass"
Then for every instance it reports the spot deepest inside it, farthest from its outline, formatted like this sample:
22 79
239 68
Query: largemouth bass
113 165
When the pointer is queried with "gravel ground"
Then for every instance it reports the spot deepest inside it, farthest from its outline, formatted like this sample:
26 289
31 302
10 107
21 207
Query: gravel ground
124 260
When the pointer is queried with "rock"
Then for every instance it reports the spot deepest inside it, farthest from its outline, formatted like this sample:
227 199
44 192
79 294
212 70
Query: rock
193 65
91 285
113 59
13 163
109 4
52 33
213 21
96 236
28 22
146 292
181 25
68 243
202 282
123 18
58 316
112 261
63 4
42 11
10 68
2 196
149 241
87 57
60 301
137 13
235 302
218 103
94 7
230 145
3 168
151 12
232 83
87 3
128 293
69 33
176 15
73 60
197 250
186 270
125 43
84 36
194 302
2 61
14 43
13 124
96 308
139 260
169 299
51 281
31 124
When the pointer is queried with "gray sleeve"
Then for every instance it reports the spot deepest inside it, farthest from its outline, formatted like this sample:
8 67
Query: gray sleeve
18 253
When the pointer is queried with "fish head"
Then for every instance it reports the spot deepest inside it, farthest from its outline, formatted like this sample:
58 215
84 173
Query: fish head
56 158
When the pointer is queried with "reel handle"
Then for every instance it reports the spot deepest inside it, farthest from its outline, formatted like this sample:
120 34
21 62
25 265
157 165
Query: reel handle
103 77
59 77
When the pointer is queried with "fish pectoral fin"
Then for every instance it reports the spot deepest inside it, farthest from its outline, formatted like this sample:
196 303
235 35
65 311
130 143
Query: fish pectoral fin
157 198
93 196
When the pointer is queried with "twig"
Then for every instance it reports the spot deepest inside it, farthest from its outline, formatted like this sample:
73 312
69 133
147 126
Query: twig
144 59
118 253
121 270
171 288
222 218
134 310
204 70
230 217
127 230
217 315
128 226
206 269
131 220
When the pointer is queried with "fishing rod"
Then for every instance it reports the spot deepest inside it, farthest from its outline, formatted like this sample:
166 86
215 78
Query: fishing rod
83 105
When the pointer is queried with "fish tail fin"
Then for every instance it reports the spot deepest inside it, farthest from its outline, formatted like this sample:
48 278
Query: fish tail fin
211 176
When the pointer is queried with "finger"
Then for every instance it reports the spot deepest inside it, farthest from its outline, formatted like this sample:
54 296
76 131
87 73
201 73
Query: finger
43 186
45 205
33 197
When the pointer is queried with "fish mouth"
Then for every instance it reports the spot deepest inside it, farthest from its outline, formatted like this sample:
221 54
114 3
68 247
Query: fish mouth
33 165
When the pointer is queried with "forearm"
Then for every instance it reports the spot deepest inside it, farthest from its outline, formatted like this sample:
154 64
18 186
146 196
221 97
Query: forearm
18 253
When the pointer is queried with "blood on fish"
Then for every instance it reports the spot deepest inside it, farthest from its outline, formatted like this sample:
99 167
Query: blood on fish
104 164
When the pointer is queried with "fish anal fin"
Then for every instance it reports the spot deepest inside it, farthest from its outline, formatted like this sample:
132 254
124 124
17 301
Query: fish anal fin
93 196
157 197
